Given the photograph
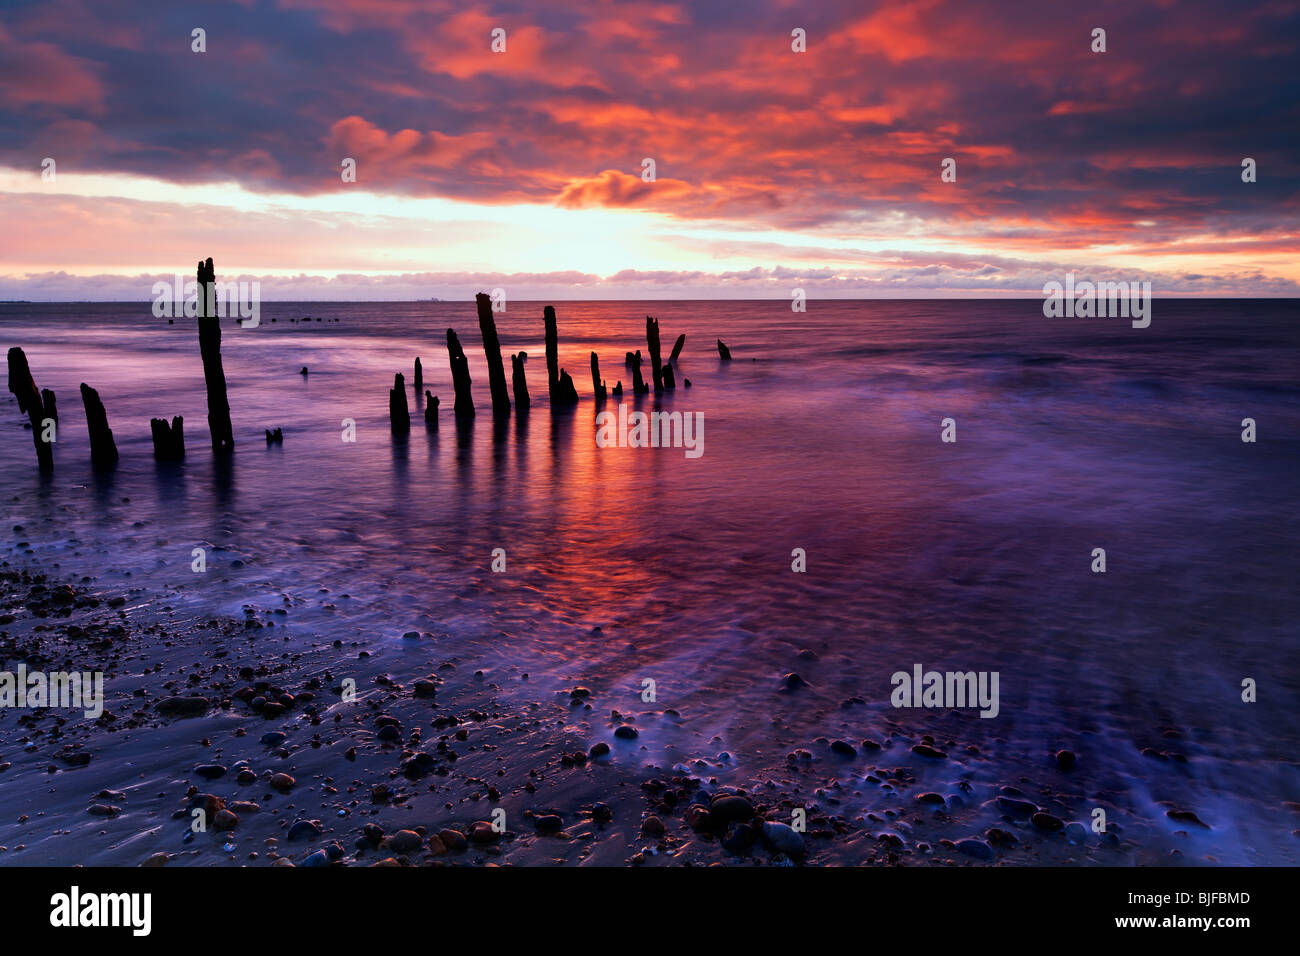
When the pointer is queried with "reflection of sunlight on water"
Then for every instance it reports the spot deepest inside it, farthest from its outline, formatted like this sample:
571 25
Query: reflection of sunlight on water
963 555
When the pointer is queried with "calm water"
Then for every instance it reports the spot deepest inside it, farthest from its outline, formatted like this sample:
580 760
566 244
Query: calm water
822 434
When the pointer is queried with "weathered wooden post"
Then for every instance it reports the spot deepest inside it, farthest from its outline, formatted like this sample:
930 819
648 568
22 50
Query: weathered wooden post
597 386
51 408
223 439
431 409
492 349
168 443
670 382
419 377
460 379
639 387
520 382
103 450
724 353
399 413
31 401
656 364
560 385
677 349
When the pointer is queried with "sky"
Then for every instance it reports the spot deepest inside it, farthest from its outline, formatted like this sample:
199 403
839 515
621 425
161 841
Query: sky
774 168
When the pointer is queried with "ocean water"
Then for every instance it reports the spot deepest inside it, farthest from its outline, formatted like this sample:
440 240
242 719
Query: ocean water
823 434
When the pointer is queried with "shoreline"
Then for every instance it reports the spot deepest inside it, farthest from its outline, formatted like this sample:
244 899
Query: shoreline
206 713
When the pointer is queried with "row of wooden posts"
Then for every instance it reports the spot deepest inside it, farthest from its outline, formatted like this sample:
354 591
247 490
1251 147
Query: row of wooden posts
169 438
559 384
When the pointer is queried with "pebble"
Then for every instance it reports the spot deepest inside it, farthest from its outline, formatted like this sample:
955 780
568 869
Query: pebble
784 839
1064 760
282 782
453 839
1186 816
304 830
625 733
726 809
183 706
404 841
976 848
1046 821
226 820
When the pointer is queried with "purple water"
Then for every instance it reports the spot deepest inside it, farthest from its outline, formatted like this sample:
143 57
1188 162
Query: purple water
823 433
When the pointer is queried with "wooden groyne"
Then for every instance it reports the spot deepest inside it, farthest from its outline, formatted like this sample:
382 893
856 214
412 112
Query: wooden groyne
103 450
492 350
597 386
168 441
31 401
520 382
560 385
656 363
399 413
223 439
460 380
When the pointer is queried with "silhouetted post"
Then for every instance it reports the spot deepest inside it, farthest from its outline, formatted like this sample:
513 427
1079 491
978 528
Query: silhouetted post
724 353
639 387
492 349
223 439
618 389
520 382
460 379
656 364
399 413
597 386
168 443
677 349
431 409
30 401
103 450
560 385
419 376
670 382
51 409
628 359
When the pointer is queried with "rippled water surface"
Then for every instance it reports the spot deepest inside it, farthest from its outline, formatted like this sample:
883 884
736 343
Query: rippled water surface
823 434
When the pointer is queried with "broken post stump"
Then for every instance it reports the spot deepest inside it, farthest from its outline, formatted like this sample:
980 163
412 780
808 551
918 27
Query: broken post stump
618 389
274 437
670 382
460 379
103 450
51 409
597 386
520 381
656 363
168 442
31 401
431 409
399 413
419 376
223 439
677 348
492 349
724 353
559 384
639 387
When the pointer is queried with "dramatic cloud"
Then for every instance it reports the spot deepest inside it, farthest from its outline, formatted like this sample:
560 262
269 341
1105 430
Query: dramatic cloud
1130 158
